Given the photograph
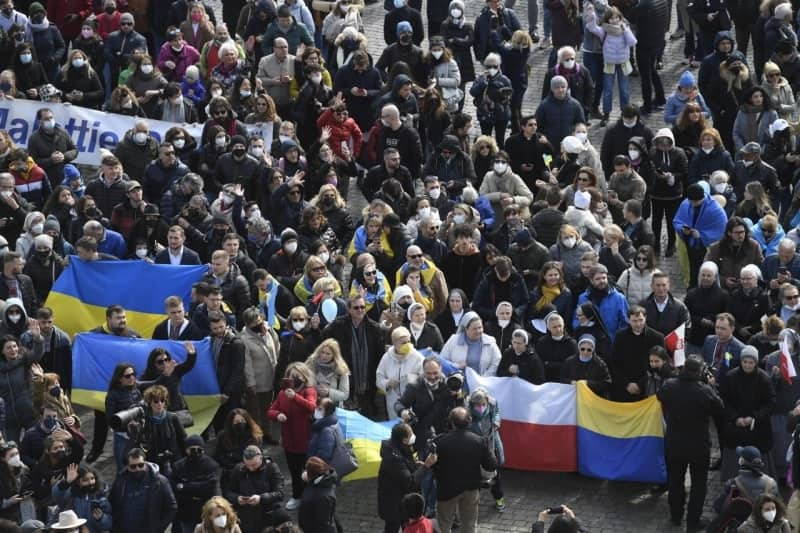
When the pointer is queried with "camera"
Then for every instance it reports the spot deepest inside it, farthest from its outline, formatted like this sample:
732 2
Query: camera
412 417
455 382
120 420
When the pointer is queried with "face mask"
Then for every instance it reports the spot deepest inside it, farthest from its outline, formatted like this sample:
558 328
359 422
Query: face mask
492 71
25 58
318 415
14 317
720 187
437 53
424 212
240 427
503 322
290 247
147 69
50 422
316 79
432 384
43 254
455 13
569 242
298 325
708 150
634 154
257 152
37 228
87 34
569 64
216 93
141 253
127 104
110 10
769 516
748 163
140 137
78 62
480 409
179 143
7 194
284 138
404 348
459 219
405 39
55 391
15 462
325 256
629 123
412 439
435 193
239 152
398 3
197 17
221 521
245 94
500 168
585 358
297 382
220 141
581 135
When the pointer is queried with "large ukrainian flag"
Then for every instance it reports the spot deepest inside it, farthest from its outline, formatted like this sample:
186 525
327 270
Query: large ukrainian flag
95 355
365 436
620 441
82 292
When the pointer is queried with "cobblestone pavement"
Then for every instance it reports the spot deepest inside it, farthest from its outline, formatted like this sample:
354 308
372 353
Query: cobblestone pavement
604 507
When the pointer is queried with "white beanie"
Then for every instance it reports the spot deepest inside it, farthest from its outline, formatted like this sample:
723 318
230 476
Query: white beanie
572 145
582 199
783 10
43 240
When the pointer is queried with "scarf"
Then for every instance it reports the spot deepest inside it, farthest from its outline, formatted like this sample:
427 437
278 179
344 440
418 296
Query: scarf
325 368
43 25
360 357
549 294
612 29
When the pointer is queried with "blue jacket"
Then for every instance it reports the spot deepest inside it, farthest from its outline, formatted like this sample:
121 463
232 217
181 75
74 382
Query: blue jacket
771 247
675 104
735 347
113 243
83 504
323 437
710 222
613 308
771 264
703 163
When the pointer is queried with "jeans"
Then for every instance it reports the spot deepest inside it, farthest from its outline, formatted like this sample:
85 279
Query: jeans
499 130
428 487
466 504
743 34
593 62
646 57
676 473
548 21
661 209
120 444
608 89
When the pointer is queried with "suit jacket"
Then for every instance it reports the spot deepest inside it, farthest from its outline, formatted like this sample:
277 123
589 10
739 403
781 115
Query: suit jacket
734 348
189 331
189 257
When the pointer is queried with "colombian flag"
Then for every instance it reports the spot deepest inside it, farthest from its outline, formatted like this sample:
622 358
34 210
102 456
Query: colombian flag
620 441
82 292
365 436
95 355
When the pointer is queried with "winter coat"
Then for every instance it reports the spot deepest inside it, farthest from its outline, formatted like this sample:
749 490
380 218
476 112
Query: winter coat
338 384
50 48
635 284
493 186
748 310
405 13
68 496
530 366
506 19
267 482
487 426
616 48
595 372
15 386
455 351
188 55
613 308
199 478
688 405
296 34
748 395
134 157
324 434
462 454
674 314
485 300
398 475
317 511
260 360
748 121
492 98
360 107
404 370
579 80
570 258
43 143
750 526
159 499
554 353
459 39
566 30
731 260
557 118
585 222
448 79
615 141
296 431
672 161
651 20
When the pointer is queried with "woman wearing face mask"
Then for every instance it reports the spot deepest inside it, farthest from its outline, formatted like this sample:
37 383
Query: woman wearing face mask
485 415
659 370
300 337
399 366
399 474
492 92
483 151
83 491
395 315
239 432
90 43
58 454
330 373
555 347
293 407
183 142
15 387
312 99
325 430
748 302
243 97
443 69
14 480
502 187
502 325
124 102
218 516
146 82
47 392
458 35
30 74
206 159
79 82
768 516
711 156
568 250
32 227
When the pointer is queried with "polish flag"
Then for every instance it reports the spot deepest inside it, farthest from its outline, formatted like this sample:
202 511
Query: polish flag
534 417
676 345
787 365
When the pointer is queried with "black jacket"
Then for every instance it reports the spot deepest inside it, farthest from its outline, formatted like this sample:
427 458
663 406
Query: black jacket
554 354
688 404
318 505
595 372
235 292
704 303
230 366
674 314
748 395
430 337
462 454
398 475
267 482
341 329
431 408
164 441
651 19
461 272
160 501
190 333
530 365
194 481
28 293
615 142
629 359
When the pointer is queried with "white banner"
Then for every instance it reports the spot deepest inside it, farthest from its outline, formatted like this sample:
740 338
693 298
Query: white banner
90 130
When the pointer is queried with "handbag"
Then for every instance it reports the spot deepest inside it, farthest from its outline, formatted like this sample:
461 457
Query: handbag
185 418
344 460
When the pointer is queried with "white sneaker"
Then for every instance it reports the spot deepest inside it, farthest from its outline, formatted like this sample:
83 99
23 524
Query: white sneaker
292 504
545 44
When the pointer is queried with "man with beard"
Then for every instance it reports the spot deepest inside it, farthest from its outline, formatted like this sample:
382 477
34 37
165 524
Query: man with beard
734 251
391 167
611 303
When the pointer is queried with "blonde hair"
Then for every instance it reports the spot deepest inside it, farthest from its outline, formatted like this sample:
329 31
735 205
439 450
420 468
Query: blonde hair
303 370
615 232
323 284
312 262
339 364
521 39
218 502
298 310
569 231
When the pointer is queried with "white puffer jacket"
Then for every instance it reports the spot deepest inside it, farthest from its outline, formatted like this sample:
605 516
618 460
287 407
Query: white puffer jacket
635 284
403 369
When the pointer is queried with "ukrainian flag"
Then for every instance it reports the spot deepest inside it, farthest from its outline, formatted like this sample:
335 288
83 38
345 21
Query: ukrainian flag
82 292
620 441
94 356
365 436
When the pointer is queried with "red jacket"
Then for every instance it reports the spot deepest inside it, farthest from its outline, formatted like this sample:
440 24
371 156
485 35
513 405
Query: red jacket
57 11
344 131
421 525
296 431
107 24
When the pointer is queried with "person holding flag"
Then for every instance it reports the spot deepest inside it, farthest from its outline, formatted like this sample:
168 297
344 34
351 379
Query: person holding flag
781 366
667 314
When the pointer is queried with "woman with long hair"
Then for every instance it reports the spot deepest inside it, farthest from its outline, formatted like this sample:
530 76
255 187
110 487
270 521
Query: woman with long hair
123 393
551 290
15 386
197 29
754 118
61 205
266 117
79 82
15 479
82 490
768 516
331 374
146 82
124 102
482 153
58 454
434 119
756 202
218 516
687 129
635 280
239 432
165 370
242 98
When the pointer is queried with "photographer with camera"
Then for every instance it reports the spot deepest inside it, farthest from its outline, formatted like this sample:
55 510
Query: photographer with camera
425 406
157 431
564 521
123 394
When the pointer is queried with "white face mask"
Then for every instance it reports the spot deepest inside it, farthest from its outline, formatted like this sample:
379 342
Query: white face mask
634 154
220 141
434 193
216 93
569 64
720 187
257 152
49 124
557 337
629 124
284 138
244 94
325 256
581 135
412 439
569 242
14 317
399 3
290 247
455 13
707 150
318 415
503 322
7 194
424 212
179 143
298 325
316 79
500 168
15 462
304 476
37 228
78 62
769 516
746 163
147 69
221 520
492 71
140 137
437 53
141 253
459 219
127 104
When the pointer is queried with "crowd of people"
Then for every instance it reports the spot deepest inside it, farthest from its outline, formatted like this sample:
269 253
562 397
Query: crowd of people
522 252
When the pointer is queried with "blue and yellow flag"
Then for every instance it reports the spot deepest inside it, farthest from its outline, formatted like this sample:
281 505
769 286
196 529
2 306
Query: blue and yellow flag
365 436
82 292
95 355
620 441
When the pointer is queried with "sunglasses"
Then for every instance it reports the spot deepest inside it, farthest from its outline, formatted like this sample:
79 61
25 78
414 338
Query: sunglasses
359 307
641 259
416 256
371 273
793 297
126 23
161 361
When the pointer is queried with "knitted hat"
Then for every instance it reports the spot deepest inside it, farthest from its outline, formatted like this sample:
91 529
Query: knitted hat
43 241
781 10
400 292
238 139
195 440
52 224
71 172
749 351
751 148
404 26
288 235
523 237
687 80
36 7
582 199
733 57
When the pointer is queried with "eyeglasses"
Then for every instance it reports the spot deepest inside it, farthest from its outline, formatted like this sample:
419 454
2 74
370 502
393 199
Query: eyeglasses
158 400
415 256
358 307
371 273
136 466
161 361
129 375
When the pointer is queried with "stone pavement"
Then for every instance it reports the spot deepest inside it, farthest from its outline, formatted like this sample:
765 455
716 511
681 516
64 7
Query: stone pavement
602 506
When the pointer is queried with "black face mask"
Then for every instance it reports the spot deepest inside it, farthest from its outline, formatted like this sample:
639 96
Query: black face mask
110 10
37 19
405 39
137 475
297 382
43 255
61 455
239 152
195 453
240 427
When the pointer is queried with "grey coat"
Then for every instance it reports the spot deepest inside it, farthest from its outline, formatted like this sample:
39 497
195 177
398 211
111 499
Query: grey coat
261 357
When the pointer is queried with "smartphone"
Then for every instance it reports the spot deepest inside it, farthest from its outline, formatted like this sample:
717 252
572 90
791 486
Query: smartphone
26 494
287 383
558 509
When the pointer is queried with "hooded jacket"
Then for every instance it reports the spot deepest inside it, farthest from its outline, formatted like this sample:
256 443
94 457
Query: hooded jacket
710 64
317 512
15 387
672 161
398 476
406 369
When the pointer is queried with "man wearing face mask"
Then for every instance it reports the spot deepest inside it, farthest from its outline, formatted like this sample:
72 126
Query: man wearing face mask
452 166
30 179
261 241
137 149
403 50
194 480
400 11
579 79
237 166
51 146
433 189
142 498
503 188
121 43
162 173
33 443
752 168
617 137
44 266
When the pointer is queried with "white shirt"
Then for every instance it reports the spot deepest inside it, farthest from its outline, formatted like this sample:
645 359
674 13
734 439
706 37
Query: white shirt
175 259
